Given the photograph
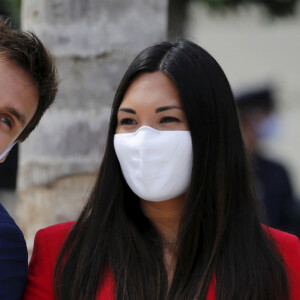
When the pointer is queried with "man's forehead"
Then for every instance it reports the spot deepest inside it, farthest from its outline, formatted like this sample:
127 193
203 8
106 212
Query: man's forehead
18 93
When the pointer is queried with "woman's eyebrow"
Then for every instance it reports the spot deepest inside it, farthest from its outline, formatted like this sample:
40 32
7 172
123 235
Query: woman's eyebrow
128 110
163 108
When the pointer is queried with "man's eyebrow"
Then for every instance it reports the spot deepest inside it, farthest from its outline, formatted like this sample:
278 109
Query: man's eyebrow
19 116
128 110
163 108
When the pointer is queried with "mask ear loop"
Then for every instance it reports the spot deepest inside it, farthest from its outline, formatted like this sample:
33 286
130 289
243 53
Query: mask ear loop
7 150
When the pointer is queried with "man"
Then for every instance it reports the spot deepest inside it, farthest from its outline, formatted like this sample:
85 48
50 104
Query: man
272 182
28 85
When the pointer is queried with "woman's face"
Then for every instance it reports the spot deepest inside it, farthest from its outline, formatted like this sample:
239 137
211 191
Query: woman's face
151 100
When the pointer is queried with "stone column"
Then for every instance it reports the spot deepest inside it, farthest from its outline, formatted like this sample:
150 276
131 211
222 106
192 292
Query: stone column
93 42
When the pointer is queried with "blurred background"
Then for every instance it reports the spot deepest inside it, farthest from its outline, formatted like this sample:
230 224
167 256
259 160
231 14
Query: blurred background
47 179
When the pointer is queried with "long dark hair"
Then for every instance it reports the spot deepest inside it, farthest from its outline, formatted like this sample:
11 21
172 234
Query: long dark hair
219 235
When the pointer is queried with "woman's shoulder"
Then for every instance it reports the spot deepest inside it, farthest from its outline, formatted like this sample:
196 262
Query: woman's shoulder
289 247
54 236
57 230
283 240
287 244
47 245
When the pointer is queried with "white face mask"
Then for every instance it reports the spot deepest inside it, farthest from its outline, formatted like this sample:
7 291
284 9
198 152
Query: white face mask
155 164
6 151
268 127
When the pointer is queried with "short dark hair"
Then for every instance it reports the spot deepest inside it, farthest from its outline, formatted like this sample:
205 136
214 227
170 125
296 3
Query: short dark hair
262 99
26 50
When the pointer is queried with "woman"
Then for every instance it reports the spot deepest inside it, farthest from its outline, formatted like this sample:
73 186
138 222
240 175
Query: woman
172 214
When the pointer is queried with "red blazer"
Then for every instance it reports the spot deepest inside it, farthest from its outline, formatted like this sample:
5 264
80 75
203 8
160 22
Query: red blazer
49 241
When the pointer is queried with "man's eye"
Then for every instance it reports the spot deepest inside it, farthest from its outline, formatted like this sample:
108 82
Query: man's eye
169 119
128 121
6 121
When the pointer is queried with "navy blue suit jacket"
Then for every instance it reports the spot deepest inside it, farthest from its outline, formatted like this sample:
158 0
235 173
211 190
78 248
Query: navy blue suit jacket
274 190
13 258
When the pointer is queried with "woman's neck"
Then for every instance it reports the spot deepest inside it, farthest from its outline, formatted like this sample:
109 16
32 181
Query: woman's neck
165 216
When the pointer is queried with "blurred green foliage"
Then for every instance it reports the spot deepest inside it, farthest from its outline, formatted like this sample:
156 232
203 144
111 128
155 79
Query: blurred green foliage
278 8
11 9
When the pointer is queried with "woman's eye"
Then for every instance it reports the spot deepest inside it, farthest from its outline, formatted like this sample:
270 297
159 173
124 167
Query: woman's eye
128 121
7 122
169 119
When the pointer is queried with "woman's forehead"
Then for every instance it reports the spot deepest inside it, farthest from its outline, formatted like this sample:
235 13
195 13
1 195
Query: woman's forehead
151 88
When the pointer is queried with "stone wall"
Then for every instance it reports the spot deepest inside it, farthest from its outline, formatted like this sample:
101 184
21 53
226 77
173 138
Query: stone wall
93 42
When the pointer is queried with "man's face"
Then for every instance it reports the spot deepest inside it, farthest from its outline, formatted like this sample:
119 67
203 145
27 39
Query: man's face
251 120
18 102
